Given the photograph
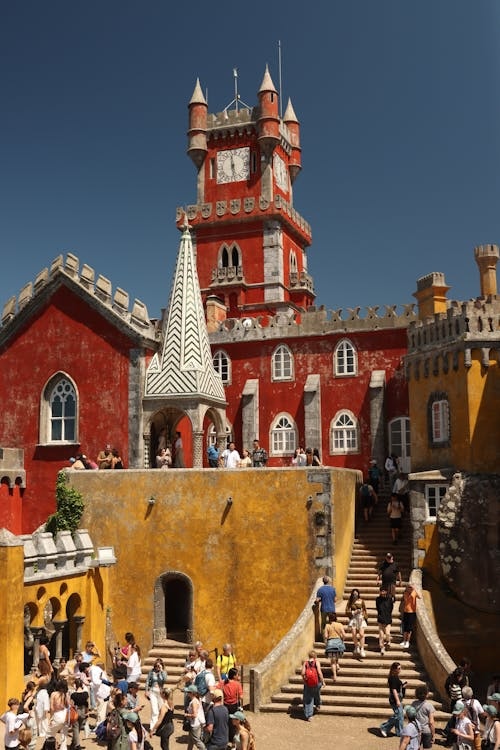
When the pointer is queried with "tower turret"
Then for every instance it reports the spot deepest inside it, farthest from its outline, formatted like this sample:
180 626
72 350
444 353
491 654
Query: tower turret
290 120
487 259
269 121
197 133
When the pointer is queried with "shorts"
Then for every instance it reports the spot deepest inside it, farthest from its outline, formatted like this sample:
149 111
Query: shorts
396 523
426 741
357 623
409 620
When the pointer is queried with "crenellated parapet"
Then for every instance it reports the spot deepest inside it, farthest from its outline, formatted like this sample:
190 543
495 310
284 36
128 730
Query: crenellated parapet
245 208
436 343
315 322
47 557
83 279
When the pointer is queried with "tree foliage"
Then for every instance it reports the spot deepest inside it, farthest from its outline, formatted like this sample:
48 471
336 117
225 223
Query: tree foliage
69 504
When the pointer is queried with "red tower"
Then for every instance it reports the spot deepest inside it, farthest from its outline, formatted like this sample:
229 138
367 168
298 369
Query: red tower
250 241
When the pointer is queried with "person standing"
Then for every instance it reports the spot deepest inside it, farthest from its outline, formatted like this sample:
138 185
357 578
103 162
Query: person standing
213 456
396 695
194 713
374 475
402 489
368 498
312 677
178 460
155 681
164 725
326 597
225 661
259 455
391 469
409 608
231 457
217 723
463 731
410 735
334 635
425 716
384 604
14 721
389 575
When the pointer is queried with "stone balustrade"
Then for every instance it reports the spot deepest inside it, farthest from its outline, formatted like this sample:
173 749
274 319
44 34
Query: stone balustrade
46 557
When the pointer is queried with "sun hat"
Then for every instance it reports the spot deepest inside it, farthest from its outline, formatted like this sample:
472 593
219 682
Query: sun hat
411 712
237 715
491 710
131 716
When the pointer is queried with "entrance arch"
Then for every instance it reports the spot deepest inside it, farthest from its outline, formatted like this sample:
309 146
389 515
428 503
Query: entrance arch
173 608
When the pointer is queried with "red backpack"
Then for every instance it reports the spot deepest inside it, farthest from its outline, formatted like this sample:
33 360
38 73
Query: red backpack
311 677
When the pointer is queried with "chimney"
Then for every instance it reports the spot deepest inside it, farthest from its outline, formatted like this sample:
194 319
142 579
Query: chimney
431 295
487 258
216 313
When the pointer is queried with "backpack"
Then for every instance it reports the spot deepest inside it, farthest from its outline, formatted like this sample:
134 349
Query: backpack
201 682
311 677
101 734
365 491
113 725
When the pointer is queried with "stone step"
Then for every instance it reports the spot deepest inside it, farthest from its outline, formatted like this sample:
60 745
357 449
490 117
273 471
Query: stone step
377 713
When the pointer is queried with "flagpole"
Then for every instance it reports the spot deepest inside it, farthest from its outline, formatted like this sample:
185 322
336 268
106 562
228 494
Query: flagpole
279 77
235 74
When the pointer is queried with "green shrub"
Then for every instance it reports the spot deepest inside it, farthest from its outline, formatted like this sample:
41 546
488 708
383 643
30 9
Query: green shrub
70 506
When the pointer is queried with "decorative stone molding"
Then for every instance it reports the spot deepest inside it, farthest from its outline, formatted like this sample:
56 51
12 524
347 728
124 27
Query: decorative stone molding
48 558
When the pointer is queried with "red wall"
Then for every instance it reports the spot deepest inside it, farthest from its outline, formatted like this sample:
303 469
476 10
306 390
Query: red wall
66 335
380 350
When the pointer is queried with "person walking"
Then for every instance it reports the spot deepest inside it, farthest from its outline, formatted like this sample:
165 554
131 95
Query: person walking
357 613
395 510
334 635
389 575
425 716
326 596
409 611
411 733
312 677
396 695
164 725
384 604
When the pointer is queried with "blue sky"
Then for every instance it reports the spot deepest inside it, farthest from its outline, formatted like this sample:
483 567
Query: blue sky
399 103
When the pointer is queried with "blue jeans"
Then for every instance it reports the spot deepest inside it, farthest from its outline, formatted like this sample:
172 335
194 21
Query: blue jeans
311 697
396 720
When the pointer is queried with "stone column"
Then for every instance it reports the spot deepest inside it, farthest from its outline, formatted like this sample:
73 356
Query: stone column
197 449
312 412
146 437
377 420
79 620
37 634
59 629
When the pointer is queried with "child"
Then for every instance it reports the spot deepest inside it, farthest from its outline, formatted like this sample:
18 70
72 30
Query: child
13 723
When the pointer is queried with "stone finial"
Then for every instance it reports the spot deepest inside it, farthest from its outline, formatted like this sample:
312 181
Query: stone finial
487 258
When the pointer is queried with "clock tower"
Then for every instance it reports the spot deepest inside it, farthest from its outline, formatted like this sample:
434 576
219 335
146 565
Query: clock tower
250 241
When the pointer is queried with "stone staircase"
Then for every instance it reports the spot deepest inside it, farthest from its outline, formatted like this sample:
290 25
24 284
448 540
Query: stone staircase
361 687
174 655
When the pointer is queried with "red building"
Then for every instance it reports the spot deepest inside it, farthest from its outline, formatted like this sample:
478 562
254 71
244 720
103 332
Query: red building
78 369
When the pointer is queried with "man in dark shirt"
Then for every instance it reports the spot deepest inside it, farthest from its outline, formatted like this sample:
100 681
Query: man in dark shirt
389 574
259 455
217 723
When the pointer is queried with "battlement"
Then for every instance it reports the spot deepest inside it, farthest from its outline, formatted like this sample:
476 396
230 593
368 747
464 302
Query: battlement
46 557
242 209
230 119
314 322
463 321
100 289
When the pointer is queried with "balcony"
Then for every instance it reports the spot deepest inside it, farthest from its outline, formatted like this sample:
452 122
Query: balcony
227 275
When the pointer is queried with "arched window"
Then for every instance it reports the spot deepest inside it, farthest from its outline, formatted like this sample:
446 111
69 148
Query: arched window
282 363
293 262
59 411
229 256
283 436
222 365
344 433
345 359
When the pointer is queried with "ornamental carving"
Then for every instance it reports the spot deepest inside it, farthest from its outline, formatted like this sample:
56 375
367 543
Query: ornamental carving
235 205
249 204
220 208
206 210
263 203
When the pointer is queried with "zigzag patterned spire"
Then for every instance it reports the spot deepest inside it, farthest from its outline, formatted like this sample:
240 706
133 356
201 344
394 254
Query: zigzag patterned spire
185 367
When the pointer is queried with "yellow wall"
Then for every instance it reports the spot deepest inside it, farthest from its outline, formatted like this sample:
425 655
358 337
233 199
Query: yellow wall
11 622
252 564
472 417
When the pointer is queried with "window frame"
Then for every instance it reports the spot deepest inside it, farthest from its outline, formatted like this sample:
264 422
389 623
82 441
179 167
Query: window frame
344 429
275 431
46 412
220 354
346 371
277 376
439 420
440 490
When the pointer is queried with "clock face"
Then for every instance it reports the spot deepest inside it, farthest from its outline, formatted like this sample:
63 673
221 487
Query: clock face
280 173
233 165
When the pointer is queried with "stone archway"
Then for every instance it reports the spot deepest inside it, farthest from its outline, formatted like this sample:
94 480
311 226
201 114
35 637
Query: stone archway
173 608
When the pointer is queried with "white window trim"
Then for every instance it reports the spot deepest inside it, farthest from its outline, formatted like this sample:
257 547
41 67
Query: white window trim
440 421
440 489
282 378
344 343
45 424
293 431
333 426
221 353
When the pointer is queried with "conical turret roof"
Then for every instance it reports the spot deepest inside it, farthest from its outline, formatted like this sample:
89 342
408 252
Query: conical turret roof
197 97
267 82
184 368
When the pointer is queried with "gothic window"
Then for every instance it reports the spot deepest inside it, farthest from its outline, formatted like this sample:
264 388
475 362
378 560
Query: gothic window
222 365
59 411
229 256
283 436
293 262
434 493
212 435
282 363
438 410
344 433
345 359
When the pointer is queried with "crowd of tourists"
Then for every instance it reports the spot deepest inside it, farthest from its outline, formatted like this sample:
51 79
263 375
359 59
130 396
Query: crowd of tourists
80 700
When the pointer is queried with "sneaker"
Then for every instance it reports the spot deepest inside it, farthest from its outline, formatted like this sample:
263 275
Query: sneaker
406 644
363 652
356 650
383 732
382 652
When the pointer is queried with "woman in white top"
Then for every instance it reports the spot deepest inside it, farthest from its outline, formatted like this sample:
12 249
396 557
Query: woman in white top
491 731
134 664
463 729
135 730
196 716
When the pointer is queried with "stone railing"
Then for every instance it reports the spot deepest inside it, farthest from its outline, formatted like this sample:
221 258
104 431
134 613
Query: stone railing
314 322
463 321
267 676
100 288
48 558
